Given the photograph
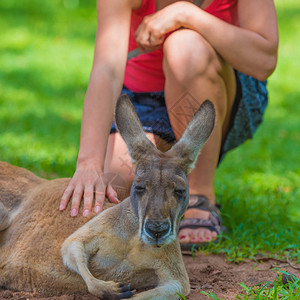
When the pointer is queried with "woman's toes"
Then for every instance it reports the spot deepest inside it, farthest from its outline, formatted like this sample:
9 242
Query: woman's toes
193 238
214 235
200 235
207 235
190 236
183 236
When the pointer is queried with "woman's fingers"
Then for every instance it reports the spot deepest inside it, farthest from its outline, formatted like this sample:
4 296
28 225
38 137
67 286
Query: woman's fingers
88 185
99 201
111 194
142 38
76 199
88 197
148 36
66 196
102 190
100 187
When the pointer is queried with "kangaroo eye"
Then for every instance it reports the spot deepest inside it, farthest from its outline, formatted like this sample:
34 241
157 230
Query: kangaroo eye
139 188
180 192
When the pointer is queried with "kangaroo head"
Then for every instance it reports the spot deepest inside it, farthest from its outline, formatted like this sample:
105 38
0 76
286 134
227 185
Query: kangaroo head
159 194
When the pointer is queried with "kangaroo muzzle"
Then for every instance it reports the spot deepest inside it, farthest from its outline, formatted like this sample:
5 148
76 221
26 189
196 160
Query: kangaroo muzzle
157 229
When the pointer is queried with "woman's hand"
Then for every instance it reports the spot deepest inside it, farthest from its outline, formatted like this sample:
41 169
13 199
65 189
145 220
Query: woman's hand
151 32
89 182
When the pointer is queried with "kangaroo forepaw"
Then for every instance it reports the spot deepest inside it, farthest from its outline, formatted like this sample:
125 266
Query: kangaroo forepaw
126 295
123 293
126 292
113 291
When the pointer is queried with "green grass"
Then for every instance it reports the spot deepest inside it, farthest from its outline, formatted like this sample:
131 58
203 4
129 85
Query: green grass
46 53
258 183
268 290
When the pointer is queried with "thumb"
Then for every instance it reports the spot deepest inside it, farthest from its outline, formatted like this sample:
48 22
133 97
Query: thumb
111 194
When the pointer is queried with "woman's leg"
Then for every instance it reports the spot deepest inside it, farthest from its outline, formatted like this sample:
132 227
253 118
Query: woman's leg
195 72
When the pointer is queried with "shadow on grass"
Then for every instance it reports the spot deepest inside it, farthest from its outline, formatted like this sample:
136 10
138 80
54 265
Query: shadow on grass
46 128
39 81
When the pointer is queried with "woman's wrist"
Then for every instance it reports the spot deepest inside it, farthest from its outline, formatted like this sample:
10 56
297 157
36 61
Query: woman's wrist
186 15
94 161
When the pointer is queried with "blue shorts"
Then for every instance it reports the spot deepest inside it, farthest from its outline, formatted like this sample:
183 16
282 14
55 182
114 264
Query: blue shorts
247 112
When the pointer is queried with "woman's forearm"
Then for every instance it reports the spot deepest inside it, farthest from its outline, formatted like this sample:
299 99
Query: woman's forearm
247 51
111 45
98 111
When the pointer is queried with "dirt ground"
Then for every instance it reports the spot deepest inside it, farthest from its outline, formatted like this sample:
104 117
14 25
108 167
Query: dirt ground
209 273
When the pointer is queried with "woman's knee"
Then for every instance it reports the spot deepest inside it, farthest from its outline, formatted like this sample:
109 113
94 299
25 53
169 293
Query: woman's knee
188 55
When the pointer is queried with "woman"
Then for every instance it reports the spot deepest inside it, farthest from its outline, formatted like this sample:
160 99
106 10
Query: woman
222 50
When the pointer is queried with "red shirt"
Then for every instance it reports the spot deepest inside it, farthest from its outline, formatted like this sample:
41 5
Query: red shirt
144 73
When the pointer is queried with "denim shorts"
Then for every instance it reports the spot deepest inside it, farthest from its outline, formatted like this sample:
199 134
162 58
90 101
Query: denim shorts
247 112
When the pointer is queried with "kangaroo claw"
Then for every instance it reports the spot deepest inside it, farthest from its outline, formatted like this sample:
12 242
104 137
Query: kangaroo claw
126 295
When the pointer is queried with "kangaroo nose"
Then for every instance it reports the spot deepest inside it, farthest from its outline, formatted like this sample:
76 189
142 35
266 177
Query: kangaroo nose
157 229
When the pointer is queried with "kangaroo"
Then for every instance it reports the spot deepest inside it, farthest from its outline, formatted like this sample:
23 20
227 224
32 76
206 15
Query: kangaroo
133 242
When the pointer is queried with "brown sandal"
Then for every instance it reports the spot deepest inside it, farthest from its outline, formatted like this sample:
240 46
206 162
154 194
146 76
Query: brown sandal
213 223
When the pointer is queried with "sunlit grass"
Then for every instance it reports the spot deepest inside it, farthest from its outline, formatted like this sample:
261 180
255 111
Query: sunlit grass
258 183
277 289
46 54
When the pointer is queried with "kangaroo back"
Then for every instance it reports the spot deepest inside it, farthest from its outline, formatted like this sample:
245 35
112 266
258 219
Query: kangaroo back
15 183
32 230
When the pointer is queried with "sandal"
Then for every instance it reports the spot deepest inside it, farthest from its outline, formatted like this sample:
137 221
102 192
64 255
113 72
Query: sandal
213 223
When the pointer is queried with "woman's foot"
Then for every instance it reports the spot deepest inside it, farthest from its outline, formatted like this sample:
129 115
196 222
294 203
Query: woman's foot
201 223
199 235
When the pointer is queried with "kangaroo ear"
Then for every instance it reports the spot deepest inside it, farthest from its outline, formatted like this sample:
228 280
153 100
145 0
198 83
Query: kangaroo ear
131 130
195 136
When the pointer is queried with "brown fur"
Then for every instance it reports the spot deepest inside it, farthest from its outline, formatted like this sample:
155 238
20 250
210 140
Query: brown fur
44 250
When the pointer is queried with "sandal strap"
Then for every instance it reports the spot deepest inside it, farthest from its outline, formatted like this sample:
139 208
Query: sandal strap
202 203
214 221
